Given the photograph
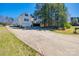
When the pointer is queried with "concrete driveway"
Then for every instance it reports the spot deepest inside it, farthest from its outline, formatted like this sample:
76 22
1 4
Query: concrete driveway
49 43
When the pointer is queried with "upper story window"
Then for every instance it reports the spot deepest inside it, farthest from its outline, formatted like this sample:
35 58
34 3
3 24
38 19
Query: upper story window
26 19
26 14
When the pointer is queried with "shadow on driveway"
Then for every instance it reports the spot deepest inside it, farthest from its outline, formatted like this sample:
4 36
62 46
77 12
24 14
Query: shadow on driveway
33 28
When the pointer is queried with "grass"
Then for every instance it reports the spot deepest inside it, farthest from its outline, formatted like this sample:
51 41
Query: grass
67 31
12 46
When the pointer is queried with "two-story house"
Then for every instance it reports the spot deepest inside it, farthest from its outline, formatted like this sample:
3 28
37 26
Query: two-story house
25 20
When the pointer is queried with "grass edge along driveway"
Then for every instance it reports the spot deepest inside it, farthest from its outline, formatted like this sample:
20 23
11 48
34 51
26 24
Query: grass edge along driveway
10 45
67 31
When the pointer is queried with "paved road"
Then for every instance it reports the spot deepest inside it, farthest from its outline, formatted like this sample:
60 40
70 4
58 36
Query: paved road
49 43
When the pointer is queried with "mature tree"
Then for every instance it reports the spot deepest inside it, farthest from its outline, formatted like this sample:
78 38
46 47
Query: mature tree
62 15
52 14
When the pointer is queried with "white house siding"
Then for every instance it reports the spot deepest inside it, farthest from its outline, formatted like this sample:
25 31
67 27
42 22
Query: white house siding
25 23
37 21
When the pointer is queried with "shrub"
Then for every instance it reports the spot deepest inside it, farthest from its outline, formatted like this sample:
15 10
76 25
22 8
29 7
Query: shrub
67 25
3 24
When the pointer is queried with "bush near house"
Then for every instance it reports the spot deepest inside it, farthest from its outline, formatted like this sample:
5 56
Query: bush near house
67 25
3 24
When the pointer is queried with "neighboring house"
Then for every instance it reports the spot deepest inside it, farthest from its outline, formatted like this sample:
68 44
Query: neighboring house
75 21
25 20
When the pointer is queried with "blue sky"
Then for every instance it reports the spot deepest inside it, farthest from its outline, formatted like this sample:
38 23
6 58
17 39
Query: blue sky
15 9
73 9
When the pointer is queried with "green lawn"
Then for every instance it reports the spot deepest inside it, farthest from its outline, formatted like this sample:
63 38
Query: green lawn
11 46
67 31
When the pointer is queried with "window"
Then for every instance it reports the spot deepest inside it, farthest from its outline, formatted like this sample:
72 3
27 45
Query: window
26 14
26 19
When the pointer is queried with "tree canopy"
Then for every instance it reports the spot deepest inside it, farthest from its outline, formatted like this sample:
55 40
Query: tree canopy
53 14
